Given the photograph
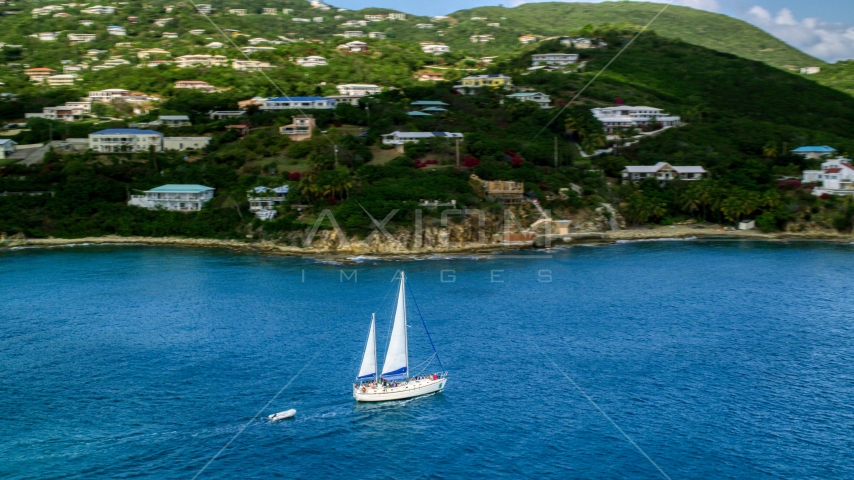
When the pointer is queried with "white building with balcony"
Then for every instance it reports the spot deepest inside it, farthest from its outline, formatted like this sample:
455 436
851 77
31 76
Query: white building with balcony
553 59
663 172
836 177
298 103
435 48
250 65
623 116
183 198
264 199
117 30
311 61
204 8
400 138
113 140
99 10
81 37
541 99
358 89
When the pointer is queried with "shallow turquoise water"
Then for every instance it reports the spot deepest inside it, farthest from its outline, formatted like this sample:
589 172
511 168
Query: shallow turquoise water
718 359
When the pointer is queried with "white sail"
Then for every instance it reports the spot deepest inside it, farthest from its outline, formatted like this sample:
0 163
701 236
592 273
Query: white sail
369 360
396 364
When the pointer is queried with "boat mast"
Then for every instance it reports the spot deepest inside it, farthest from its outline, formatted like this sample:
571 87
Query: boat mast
376 361
405 327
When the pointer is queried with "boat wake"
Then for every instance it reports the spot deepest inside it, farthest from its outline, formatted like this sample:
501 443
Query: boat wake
643 240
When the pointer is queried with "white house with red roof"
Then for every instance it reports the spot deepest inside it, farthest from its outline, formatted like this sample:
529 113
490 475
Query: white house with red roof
836 177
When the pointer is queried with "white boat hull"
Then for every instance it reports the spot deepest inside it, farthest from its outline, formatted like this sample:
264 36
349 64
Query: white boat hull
282 415
414 388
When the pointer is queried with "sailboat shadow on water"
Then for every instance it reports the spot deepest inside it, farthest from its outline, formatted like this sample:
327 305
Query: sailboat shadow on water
395 382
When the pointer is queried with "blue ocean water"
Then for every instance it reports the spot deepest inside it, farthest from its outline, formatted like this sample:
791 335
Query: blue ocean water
718 359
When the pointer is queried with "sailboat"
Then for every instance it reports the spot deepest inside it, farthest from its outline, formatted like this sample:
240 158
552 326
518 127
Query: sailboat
395 381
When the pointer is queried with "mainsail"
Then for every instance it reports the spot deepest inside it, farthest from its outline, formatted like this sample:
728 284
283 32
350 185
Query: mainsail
369 361
396 364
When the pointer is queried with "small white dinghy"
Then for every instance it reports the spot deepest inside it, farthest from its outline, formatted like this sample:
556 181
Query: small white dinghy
282 415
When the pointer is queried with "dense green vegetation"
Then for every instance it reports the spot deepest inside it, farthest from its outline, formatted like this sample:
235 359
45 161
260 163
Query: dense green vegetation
742 118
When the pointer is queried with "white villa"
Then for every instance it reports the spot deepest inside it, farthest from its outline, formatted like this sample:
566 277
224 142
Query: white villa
185 143
435 48
553 59
99 10
376 35
401 138
48 36
396 16
663 172
152 51
204 8
481 38
62 80
81 37
311 61
195 85
249 65
125 140
301 129
187 198
298 103
116 30
188 61
269 11
69 112
266 198
354 47
358 89
541 99
624 116
108 95
836 177
237 11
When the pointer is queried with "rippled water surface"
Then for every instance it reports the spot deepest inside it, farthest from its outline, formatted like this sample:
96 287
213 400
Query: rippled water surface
720 360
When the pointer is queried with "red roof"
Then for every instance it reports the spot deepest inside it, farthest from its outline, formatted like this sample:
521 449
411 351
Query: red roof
833 170
847 165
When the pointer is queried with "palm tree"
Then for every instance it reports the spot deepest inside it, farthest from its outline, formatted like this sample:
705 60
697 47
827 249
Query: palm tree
770 150
771 199
690 200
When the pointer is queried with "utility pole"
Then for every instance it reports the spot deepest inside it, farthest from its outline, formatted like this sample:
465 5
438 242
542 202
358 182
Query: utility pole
335 149
556 161
458 152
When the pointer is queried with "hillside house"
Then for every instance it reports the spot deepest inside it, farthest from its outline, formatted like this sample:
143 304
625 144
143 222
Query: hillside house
581 43
287 11
301 20
38 74
396 16
116 30
375 18
190 61
240 128
264 199
526 39
74 68
506 192
214 45
662 171
493 25
237 11
541 99
81 37
430 76
87 23
435 48
810 70
169 35
311 61
224 114
48 36
354 47
99 10
62 80
144 54
424 26
298 103
358 89
354 34
836 177
161 22
492 80
301 129
185 143
269 11
195 85
250 65
814 152
133 20
196 32
204 8
174 121
624 117
400 139
481 38
376 35
69 112
125 140
553 59
317 19
106 96
254 49
252 102
7 147
182 198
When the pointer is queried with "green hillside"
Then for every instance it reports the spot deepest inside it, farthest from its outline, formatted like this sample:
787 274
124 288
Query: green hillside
710 30
839 75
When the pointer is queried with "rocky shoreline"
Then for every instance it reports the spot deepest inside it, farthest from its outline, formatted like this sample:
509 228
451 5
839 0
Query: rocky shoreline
390 249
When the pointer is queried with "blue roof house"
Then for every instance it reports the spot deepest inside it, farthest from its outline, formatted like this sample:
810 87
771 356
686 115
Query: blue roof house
814 152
